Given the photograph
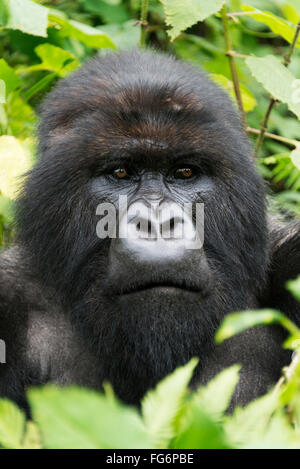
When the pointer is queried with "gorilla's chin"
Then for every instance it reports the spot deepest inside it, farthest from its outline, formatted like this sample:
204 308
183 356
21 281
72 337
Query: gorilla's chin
142 336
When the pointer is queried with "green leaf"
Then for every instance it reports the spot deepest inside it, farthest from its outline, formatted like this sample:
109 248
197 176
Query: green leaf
25 15
14 162
200 432
249 423
126 35
77 418
181 14
32 438
2 92
54 59
291 11
215 397
8 75
88 35
294 286
295 157
248 99
238 322
162 406
276 24
12 424
276 79
109 13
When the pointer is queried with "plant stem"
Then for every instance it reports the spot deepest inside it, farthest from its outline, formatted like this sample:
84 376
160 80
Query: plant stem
232 64
286 63
287 141
143 22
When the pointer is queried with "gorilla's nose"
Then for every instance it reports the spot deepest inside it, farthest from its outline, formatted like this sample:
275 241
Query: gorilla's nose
155 231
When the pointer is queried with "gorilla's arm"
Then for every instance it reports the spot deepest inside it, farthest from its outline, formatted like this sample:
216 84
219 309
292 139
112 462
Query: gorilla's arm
41 344
284 265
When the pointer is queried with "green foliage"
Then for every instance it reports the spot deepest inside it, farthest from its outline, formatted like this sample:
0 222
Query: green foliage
276 79
44 40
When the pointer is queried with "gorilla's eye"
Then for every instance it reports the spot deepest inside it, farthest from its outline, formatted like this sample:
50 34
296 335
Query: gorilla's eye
120 173
184 173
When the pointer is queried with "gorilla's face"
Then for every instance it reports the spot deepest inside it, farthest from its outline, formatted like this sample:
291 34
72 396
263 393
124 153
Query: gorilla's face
162 135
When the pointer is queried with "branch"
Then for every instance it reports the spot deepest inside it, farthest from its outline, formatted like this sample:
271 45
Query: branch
287 61
143 22
287 141
232 64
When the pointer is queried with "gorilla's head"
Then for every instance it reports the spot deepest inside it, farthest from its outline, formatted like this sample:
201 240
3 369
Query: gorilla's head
145 126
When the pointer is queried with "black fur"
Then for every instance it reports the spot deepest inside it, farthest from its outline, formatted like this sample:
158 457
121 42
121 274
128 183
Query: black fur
63 315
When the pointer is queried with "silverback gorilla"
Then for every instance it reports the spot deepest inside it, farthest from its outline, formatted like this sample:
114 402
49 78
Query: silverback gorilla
78 308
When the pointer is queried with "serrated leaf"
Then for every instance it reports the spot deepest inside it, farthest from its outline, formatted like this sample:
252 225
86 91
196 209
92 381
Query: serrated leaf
78 418
12 423
182 14
238 322
26 16
279 434
161 407
201 432
215 397
276 79
249 423
278 25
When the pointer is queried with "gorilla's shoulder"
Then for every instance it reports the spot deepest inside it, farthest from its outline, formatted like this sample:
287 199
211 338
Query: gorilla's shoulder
19 285
284 265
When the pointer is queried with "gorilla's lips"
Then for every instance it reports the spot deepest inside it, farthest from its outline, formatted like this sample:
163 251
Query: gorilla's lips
159 285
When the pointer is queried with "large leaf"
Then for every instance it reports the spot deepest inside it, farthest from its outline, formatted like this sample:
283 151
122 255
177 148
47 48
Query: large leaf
249 423
25 15
278 25
215 397
2 92
73 418
53 59
291 10
294 287
14 162
126 35
200 432
162 406
8 75
88 35
181 14
12 424
249 102
276 79
238 322
110 13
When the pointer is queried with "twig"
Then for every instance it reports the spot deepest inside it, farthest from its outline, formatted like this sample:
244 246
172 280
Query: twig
143 22
288 372
286 63
233 69
287 141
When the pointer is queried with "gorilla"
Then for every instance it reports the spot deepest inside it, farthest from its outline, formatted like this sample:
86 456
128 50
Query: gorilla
80 308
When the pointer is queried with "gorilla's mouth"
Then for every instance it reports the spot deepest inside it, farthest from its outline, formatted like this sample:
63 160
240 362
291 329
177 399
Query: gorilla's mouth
160 287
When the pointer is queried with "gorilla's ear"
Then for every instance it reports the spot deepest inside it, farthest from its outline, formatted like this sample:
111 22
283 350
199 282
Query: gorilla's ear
284 265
